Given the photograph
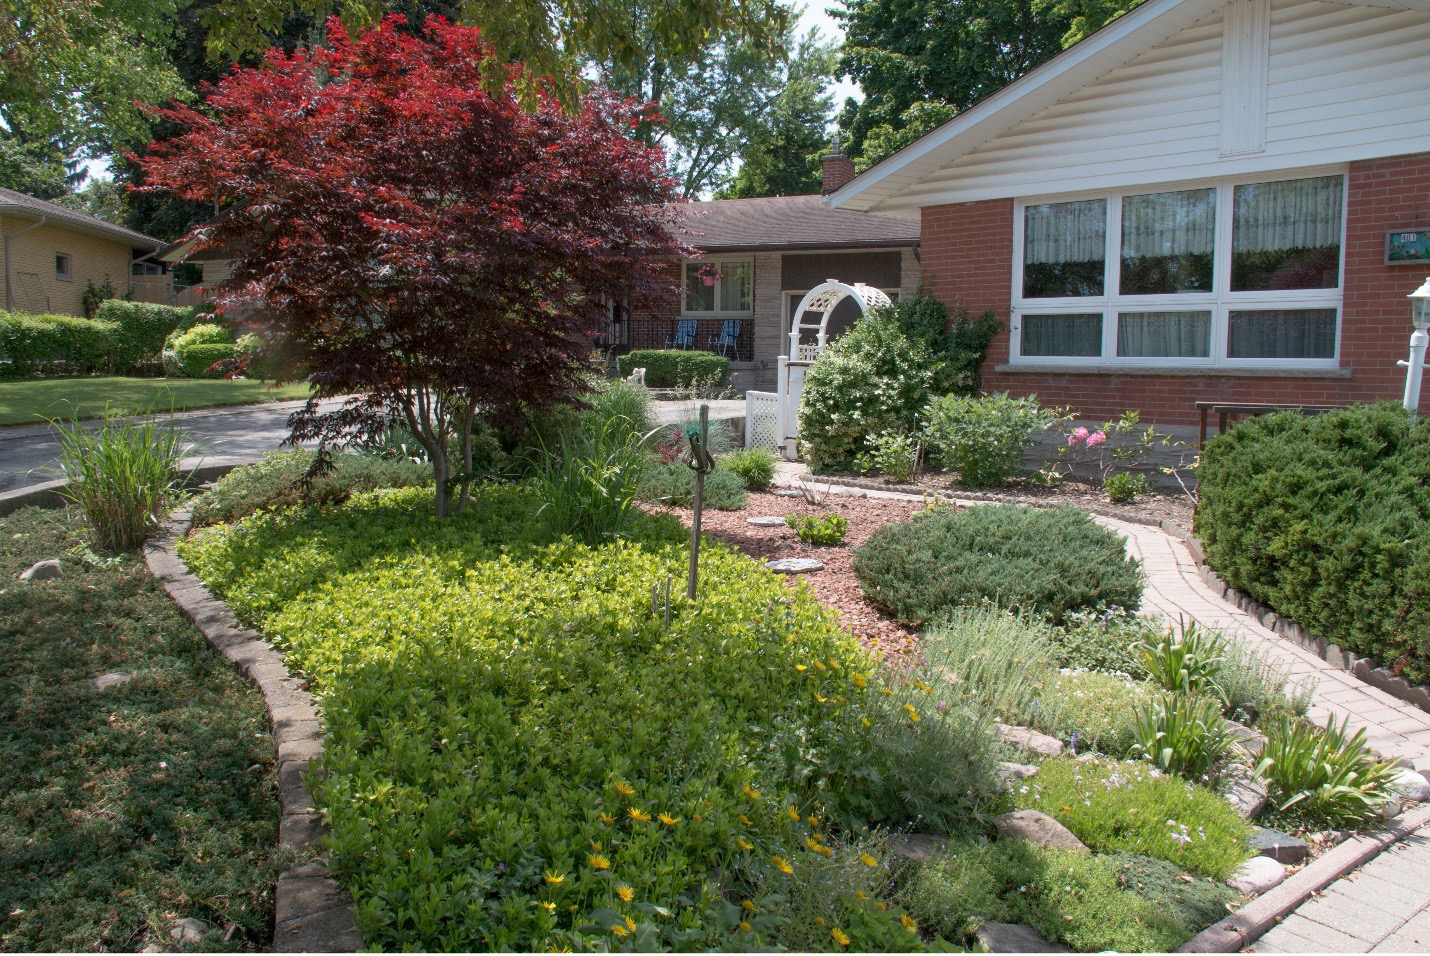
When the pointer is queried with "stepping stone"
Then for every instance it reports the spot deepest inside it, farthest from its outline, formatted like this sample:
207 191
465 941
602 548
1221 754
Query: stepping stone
1037 828
1247 740
916 847
42 571
106 681
1011 773
1411 785
1257 875
788 493
1015 938
1279 846
188 930
766 521
1025 739
795 565
1247 796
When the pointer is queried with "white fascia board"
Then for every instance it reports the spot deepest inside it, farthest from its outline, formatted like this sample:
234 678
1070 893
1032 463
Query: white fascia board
1122 39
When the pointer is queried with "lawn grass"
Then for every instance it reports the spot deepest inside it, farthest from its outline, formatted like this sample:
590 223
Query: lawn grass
123 810
30 401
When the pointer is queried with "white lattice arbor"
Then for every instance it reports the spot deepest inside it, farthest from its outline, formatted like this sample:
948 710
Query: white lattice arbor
813 312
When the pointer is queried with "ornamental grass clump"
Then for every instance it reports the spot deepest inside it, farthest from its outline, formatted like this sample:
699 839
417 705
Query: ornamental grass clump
1182 735
122 475
1186 661
1323 776
1051 562
754 466
588 484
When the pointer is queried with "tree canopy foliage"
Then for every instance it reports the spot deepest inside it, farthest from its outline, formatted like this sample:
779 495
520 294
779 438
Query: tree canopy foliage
415 236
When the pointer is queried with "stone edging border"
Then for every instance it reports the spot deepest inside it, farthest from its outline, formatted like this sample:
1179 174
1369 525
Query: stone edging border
1261 915
1362 667
312 911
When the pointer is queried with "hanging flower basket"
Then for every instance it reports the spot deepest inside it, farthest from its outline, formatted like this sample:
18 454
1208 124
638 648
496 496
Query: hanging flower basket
708 275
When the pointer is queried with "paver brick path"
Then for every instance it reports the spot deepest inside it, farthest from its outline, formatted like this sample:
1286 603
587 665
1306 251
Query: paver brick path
1384 907
1175 589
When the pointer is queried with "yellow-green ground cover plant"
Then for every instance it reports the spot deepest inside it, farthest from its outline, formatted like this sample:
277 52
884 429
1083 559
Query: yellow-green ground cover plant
523 755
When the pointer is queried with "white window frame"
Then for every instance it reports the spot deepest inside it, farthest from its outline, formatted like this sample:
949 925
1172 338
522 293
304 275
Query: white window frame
68 274
719 262
1219 302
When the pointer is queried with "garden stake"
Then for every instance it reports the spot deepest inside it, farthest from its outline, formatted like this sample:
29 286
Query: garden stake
702 464
668 579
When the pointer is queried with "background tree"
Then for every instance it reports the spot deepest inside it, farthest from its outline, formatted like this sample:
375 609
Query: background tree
781 157
417 238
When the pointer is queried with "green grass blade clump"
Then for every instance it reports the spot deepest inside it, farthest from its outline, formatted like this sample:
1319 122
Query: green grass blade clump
1323 776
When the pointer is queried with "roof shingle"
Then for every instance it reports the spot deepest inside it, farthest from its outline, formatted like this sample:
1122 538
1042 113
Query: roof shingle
63 214
788 222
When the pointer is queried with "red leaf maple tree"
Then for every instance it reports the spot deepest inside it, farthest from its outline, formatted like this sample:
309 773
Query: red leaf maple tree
417 236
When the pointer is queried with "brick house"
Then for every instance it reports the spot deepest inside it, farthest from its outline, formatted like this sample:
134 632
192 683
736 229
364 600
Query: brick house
1215 200
765 254
52 253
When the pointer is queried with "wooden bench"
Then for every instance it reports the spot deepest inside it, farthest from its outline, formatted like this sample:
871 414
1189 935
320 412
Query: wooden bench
1226 412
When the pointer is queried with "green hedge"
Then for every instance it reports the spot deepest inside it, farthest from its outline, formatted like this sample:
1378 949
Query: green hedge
1326 519
145 325
55 344
197 359
672 368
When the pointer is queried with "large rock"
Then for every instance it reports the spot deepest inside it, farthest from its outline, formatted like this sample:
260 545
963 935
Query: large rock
1257 875
42 571
1015 938
1281 847
1248 741
1411 785
188 930
795 565
1031 740
917 847
1248 796
1011 773
1037 827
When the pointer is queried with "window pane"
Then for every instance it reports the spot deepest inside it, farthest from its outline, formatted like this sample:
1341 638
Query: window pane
735 287
1167 242
699 297
1062 335
1287 235
1164 334
1064 249
1281 334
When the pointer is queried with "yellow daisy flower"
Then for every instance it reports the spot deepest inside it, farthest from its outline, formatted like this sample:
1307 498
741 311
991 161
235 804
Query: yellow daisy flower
800 667
745 820
596 846
865 721
549 907
607 818
858 681
859 895
744 844
813 844
922 686
812 820
638 814
630 923
667 819
819 920
625 893
913 714
822 700
880 906
618 930
793 813
751 792
838 936
744 926
820 666
555 879
598 862
868 860
624 788
747 905
783 866
887 692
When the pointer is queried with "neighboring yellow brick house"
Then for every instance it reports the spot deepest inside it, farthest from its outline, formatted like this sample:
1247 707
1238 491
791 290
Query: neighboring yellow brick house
51 253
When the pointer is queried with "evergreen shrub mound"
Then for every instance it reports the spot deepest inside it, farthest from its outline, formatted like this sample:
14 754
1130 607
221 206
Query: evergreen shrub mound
676 368
1069 898
674 484
1113 805
197 361
1326 519
276 481
523 755
1050 562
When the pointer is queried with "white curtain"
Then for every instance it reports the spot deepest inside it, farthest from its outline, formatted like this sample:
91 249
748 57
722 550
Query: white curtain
1291 214
1164 334
1281 333
1065 232
1073 336
1169 224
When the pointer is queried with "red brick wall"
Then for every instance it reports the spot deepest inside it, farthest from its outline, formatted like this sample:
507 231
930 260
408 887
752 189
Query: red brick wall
968 259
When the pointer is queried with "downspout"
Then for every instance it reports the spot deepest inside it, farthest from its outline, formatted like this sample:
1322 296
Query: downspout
9 277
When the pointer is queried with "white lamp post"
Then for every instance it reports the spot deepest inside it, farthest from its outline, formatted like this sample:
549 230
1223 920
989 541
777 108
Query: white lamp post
1415 368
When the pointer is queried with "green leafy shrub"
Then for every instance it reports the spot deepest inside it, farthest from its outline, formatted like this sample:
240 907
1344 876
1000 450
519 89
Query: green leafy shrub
276 481
674 484
1070 898
197 361
1103 640
1114 805
54 344
892 454
871 380
144 327
1194 903
1181 735
957 341
1325 518
511 724
1324 777
675 368
754 466
819 529
983 438
1046 561
122 475
588 486
189 352
1125 486
204 333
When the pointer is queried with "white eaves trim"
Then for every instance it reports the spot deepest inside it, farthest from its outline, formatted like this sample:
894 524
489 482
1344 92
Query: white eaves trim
1149 24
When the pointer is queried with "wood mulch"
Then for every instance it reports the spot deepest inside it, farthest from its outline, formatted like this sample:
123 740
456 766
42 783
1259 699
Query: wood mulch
836 586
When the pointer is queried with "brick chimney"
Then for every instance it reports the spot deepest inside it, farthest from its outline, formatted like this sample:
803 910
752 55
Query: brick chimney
837 168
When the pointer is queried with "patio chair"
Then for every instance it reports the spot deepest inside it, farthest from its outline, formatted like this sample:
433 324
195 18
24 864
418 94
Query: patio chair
727 340
683 337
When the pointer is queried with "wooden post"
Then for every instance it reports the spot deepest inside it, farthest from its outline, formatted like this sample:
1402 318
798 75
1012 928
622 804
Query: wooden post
700 461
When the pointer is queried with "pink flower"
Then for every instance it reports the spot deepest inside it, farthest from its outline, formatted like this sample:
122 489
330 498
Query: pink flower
1096 438
1078 436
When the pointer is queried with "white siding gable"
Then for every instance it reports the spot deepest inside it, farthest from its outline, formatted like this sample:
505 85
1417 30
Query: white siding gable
1341 83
